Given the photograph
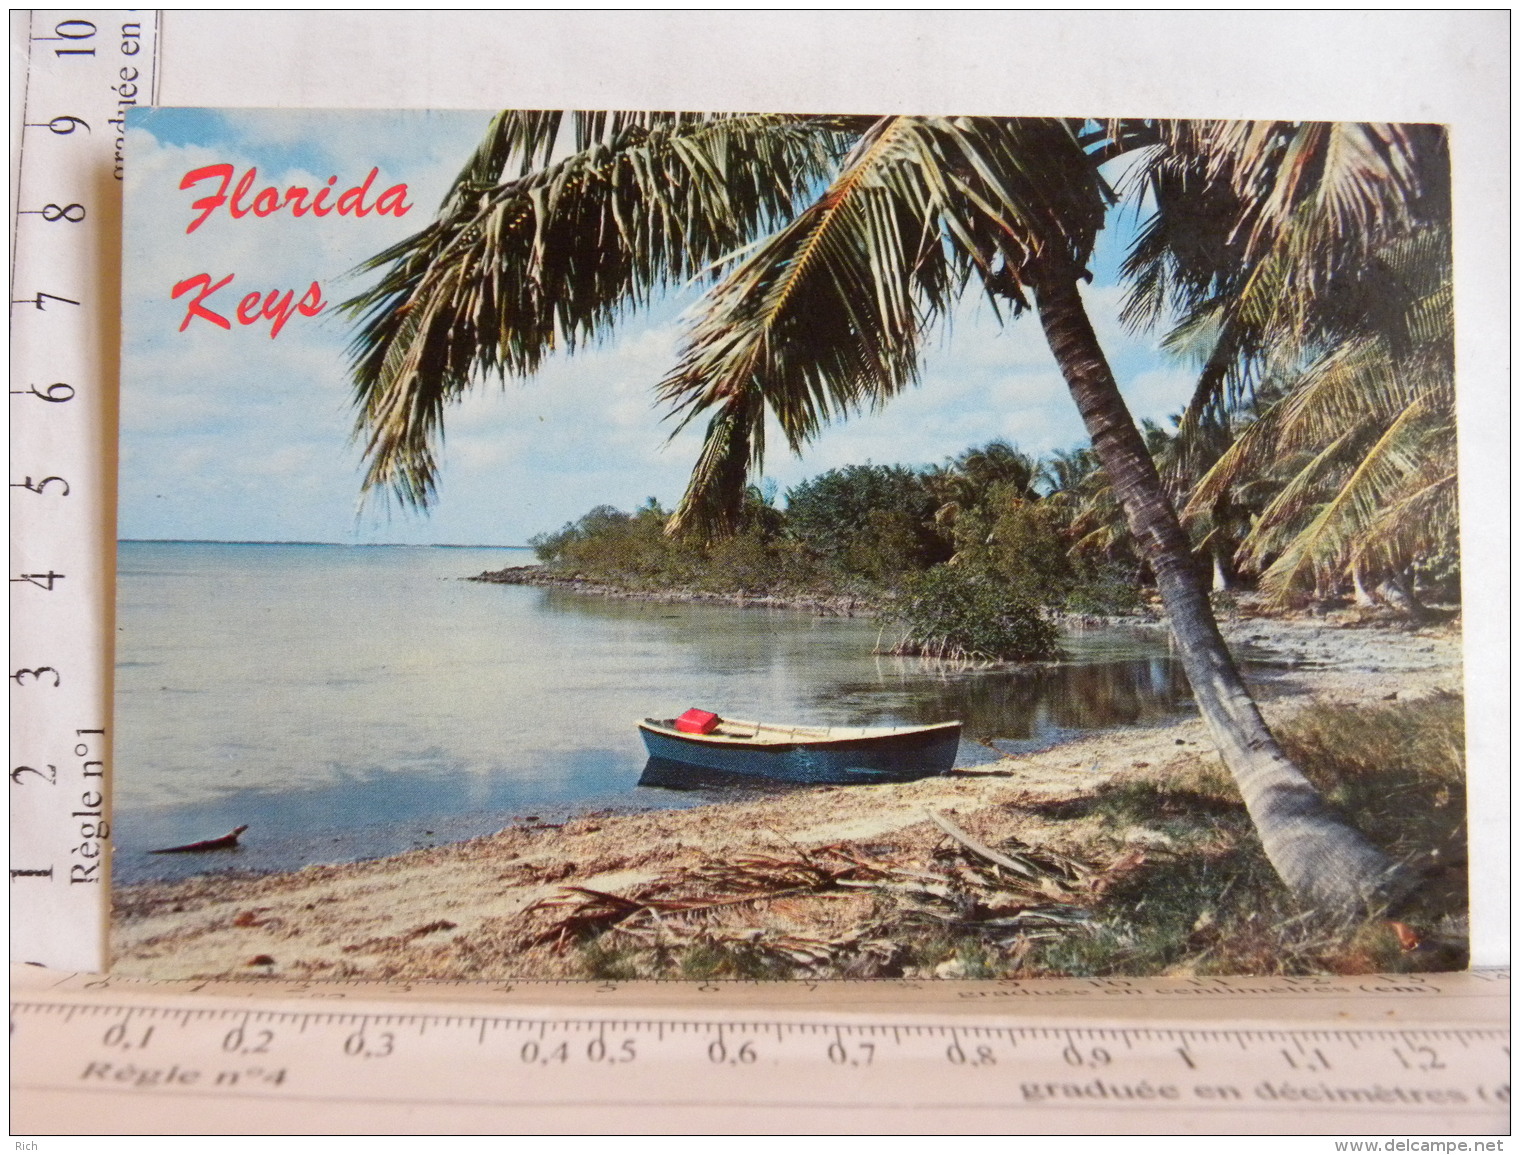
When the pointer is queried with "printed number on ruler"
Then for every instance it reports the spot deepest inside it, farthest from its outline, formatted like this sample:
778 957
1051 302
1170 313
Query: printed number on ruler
1425 1077
84 69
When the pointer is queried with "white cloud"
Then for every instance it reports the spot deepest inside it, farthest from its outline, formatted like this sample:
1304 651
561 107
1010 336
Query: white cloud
235 435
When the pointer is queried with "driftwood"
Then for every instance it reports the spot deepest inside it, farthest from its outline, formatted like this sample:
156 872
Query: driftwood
225 842
977 848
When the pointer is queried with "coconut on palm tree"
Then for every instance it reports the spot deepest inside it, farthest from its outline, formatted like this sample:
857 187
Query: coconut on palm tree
833 245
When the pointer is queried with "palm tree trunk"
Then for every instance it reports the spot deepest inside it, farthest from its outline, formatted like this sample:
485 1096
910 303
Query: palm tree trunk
1324 861
1222 580
1398 591
1360 594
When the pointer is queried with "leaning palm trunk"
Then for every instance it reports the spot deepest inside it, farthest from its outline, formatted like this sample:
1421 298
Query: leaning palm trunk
1360 594
1323 861
1222 580
826 316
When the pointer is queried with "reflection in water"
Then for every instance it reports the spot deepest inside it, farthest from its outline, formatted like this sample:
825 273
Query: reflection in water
1036 703
665 774
1113 677
346 702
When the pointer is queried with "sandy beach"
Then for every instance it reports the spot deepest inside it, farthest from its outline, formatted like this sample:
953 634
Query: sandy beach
458 911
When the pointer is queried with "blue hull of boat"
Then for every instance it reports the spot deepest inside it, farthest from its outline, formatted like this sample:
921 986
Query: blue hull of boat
899 758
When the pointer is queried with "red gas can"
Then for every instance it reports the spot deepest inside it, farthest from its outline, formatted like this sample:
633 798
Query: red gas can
697 722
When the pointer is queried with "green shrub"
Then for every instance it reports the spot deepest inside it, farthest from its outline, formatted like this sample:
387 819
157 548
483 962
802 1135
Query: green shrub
629 549
1106 589
866 522
633 550
952 612
1029 552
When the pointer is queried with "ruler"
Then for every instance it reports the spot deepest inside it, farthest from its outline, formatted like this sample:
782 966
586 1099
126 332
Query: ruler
1369 1054
91 1054
83 70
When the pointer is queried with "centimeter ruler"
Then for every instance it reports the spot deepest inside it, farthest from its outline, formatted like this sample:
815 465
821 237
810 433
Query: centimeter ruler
1380 1054
83 70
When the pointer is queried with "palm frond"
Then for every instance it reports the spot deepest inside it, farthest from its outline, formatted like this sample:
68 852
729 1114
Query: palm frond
1355 386
826 318
1333 193
1420 520
524 136
1185 252
1328 541
1281 521
734 444
554 255
1282 236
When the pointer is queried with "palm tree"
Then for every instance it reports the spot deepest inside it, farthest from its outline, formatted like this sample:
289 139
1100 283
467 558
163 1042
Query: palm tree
1364 436
818 311
1297 282
974 486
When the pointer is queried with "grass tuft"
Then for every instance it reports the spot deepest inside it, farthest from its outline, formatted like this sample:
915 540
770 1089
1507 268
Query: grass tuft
1167 877
1398 770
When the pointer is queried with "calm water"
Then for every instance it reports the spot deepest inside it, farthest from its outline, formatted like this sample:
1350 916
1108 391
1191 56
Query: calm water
348 702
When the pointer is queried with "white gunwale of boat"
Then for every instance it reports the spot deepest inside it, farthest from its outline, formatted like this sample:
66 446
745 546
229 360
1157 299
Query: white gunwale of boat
738 732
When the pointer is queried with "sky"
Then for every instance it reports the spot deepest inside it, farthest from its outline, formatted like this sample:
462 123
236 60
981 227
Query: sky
237 435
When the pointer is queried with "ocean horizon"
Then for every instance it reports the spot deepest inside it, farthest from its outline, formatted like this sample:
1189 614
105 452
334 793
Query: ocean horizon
349 700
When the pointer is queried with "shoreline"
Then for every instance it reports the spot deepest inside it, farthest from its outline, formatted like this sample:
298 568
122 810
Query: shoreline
1233 620
823 605
459 909
817 604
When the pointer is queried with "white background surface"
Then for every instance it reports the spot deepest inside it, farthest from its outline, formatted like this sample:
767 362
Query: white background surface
1448 67
1445 67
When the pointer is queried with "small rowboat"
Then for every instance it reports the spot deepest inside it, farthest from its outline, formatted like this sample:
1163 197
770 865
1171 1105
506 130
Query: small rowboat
834 754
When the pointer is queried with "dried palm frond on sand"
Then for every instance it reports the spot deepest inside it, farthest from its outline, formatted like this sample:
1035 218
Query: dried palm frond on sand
1001 895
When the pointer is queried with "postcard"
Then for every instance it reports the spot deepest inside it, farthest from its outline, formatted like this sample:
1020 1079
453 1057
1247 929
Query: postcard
618 545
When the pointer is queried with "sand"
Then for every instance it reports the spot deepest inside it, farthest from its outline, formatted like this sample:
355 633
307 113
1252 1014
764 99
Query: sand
456 911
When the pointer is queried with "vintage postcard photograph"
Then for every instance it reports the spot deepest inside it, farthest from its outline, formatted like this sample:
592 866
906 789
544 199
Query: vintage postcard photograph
654 545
